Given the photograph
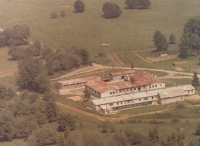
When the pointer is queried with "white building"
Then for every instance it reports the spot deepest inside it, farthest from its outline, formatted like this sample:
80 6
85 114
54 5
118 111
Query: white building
130 100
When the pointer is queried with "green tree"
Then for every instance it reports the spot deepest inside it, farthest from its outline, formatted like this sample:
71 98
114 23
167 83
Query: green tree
62 122
133 137
79 6
42 137
24 126
172 39
108 127
22 108
16 36
190 40
111 10
160 41
120 139
6 93
51 111
92 139
195 81
62 13
6 122
138 4
33 75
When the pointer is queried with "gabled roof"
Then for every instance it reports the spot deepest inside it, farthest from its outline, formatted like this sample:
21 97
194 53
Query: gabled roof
127 72
142 79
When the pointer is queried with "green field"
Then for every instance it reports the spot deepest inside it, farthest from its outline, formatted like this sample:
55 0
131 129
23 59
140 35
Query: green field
6 64
133 30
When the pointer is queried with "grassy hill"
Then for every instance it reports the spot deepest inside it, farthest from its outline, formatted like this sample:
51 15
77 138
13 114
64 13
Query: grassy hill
133 30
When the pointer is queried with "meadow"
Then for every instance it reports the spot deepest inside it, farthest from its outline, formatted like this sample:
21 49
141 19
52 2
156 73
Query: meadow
134 29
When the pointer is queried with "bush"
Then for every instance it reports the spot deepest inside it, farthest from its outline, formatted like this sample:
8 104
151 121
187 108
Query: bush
175 121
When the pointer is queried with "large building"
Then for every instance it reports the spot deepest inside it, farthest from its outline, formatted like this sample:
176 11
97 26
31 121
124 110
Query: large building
124 90
121 83
149 97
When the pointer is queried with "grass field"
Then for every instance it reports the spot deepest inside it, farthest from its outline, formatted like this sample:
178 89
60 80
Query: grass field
133 30
6 65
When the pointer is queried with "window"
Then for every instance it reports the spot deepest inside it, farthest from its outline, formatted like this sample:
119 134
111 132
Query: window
111 104
113 92
110 92
121 102
146 98
138 88
116 92
149 86
155 85
139 99
188 91
152 86
134 88
144 87
181 98
152 97
117 103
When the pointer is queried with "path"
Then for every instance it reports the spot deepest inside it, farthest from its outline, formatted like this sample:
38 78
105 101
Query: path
6 74
143 58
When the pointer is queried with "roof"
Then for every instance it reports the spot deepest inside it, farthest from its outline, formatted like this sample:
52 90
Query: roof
79 80
171 93
188 87
142 79
101 86
107 100
127 72
164 93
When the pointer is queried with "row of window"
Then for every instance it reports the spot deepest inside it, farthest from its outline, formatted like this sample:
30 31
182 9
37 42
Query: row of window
129 101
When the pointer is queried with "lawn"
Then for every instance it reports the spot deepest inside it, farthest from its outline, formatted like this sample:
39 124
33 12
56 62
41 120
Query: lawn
133 30
6 64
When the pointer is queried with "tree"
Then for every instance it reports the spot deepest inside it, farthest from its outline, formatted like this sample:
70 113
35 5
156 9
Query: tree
24 126
79 6
62 13
22 108
133 137
111 10
16 36
42 136
65 120
51 111
195 81
7 125
172 39
160 41
6 93
53 14
190 40
141 4
108 127
132 66
33 75
92 139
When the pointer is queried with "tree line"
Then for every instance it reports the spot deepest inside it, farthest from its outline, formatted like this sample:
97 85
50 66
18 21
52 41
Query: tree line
110 10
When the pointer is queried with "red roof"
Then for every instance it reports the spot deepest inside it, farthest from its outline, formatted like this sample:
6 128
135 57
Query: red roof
102 86
122 73
141 79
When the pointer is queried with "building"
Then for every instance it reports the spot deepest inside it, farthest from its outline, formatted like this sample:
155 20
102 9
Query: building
73 85
120 83
149 97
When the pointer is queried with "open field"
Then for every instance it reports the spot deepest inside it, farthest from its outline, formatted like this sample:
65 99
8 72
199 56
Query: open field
6 65
133 30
